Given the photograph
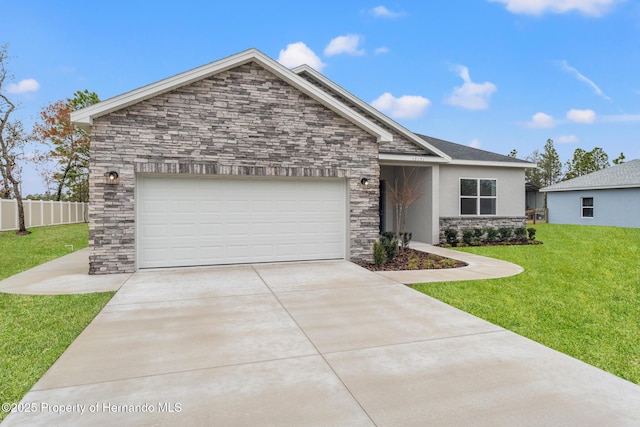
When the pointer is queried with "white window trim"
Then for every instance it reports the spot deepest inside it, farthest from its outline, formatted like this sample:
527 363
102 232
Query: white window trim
478 197
592 207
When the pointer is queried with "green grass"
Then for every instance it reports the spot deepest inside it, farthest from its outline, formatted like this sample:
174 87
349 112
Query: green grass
579 294
35 330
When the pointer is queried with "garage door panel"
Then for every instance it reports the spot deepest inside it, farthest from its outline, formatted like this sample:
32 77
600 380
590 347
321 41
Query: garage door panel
196 221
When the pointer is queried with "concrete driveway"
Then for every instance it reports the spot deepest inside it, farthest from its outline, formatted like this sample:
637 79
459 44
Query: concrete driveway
321 343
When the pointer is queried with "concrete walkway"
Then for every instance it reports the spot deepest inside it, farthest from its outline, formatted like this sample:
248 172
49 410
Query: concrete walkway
68 274
319 343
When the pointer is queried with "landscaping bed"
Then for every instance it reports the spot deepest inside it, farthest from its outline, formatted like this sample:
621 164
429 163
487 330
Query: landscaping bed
410 259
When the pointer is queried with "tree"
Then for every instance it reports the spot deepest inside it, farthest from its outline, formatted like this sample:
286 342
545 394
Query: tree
68 144
403 193
12 140
620 159
586 162
550 165
534 175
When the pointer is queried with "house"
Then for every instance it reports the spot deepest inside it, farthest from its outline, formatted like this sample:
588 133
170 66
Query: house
243 160
609 196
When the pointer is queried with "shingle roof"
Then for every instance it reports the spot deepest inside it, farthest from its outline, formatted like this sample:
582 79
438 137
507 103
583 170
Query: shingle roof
620 176
464 152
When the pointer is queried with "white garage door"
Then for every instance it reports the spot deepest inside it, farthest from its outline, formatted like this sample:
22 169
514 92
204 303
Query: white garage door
206 221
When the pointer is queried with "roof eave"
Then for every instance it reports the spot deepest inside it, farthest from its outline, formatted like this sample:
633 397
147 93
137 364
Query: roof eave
520 165
590 188
368 108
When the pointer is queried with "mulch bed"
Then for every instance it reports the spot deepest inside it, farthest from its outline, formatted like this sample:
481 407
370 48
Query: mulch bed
410 259
496 243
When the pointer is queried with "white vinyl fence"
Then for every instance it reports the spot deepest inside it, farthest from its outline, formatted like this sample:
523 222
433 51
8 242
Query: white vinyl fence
40 212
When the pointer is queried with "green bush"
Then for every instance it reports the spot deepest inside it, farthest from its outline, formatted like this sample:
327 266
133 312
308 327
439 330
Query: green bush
451 236
492 234
405 238
467 236
504 234
379 254
390 244
532 233
520 233
477 236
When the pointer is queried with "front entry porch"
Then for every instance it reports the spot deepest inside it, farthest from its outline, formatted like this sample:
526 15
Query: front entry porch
422 219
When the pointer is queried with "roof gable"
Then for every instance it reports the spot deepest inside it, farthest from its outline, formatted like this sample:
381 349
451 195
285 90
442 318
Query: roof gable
624 175
366 109
84 118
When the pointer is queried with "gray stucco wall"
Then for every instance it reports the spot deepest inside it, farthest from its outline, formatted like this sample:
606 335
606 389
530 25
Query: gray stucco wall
244 121
615 207
510 188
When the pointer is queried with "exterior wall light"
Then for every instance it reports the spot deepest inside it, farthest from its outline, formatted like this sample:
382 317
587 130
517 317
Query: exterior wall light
112 177
364 182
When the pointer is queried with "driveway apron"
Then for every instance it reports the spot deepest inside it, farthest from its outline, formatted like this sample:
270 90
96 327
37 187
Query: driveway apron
317 343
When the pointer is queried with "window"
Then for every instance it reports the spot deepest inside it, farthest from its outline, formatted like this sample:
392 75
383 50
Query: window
587 207
477 196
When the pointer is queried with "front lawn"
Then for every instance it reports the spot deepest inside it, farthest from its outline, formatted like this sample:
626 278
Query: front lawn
35 330
579 294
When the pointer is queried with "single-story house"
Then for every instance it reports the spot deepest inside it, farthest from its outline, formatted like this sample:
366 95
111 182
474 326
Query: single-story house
243 160
609 196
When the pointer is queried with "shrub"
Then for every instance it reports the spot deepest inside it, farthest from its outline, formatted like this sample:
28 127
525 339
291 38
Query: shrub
505 234
532 233
492 234
405 238
448 263
521 233
451 236
467 236
477 236
413 262
379 254
390 244
428 264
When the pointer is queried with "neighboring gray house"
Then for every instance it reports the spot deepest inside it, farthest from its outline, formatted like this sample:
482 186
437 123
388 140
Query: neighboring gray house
243 160
607 197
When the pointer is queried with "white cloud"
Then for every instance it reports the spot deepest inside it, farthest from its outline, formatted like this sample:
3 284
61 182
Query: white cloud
298 54
472 96
581 116
23 86
566 139
538 7
541 121
344 44
382 49
383 12
405 107
475 143
569 69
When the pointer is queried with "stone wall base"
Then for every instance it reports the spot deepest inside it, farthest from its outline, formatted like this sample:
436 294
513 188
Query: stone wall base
464 223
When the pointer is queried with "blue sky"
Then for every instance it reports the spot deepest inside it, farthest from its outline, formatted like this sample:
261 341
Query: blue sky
494 74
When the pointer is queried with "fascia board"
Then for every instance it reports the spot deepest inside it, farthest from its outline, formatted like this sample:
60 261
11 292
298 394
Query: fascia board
369 109
84 118
408 159
608 187
492 164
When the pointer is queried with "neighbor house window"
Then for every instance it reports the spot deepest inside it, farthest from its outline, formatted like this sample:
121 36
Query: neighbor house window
477 196
587 207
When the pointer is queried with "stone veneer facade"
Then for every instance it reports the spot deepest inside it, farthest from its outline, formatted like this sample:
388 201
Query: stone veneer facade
244 121
464 223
